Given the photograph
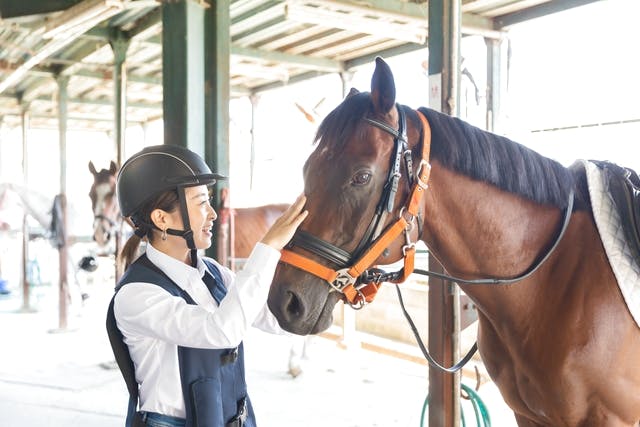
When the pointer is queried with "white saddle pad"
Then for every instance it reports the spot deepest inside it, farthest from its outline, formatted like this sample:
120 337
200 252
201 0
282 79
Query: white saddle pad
626 270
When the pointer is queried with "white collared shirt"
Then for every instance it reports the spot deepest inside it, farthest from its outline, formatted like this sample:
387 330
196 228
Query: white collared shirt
154 322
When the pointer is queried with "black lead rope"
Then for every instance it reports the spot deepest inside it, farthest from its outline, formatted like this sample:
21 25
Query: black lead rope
455 368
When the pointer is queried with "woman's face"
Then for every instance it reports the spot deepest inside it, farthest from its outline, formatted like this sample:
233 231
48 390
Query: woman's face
201 215
201 218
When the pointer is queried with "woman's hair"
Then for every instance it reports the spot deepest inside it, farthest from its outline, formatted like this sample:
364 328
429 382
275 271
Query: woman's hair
168 202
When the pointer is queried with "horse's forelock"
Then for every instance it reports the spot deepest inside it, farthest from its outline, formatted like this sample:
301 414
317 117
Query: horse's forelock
339 124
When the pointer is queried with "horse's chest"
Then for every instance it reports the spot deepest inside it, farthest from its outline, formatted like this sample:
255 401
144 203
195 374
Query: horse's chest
539 386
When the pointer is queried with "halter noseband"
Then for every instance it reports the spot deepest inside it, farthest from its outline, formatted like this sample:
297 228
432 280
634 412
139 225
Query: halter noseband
355 279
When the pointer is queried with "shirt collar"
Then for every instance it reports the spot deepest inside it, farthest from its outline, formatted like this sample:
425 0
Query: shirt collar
177 270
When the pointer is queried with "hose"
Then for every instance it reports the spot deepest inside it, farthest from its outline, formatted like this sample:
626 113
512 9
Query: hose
479 408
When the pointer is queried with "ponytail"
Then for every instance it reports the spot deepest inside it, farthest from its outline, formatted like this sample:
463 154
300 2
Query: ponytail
144 228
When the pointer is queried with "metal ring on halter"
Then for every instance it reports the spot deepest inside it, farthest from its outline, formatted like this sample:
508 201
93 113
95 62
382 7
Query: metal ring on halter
410 221
406 247
361 301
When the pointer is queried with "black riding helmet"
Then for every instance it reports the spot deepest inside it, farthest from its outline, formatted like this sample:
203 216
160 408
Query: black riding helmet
157 169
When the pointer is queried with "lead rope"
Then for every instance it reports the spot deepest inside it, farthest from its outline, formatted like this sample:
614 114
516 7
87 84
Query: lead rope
425 352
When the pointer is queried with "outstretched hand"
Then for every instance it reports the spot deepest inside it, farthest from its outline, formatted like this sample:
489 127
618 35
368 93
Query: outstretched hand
284 227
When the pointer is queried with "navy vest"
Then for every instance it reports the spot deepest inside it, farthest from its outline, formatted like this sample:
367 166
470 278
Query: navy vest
213 381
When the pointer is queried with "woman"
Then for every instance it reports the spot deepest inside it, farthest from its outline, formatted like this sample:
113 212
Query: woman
177 320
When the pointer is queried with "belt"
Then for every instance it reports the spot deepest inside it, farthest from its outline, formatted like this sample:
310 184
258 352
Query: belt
241 416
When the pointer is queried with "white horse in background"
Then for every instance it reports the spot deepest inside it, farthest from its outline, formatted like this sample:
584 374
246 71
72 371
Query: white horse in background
43 221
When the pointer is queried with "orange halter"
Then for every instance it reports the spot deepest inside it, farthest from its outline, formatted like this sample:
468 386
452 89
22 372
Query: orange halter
346 280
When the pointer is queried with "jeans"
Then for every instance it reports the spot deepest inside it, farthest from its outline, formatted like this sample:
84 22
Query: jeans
153 419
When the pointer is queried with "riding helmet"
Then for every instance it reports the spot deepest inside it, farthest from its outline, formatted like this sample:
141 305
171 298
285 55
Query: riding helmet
157 169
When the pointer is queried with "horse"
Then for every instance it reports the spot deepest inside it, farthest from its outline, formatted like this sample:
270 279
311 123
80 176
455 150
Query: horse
554 331
106 212
17 201
244 227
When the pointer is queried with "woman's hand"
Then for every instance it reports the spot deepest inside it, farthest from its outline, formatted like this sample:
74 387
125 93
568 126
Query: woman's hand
284 227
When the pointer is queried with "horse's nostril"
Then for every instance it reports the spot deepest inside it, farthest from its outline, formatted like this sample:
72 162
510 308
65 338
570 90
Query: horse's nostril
294 307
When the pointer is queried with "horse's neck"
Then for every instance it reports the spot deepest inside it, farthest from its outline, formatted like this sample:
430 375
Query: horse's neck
478 231
33 203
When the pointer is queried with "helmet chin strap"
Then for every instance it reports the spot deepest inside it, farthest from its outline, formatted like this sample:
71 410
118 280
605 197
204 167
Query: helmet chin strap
187 233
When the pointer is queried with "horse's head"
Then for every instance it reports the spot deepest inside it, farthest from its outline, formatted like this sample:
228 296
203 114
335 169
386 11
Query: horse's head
353 198
104 203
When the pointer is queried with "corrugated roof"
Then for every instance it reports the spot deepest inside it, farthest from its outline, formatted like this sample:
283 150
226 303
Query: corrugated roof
273 42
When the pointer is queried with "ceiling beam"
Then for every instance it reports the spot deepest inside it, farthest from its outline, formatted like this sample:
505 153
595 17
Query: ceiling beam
312 63
20 8
544 9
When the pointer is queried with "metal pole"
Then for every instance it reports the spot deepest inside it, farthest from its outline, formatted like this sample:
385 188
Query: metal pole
217 89
119 45
444 297
26 303
63 82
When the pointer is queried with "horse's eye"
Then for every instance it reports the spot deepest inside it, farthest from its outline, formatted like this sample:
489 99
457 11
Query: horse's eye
361 178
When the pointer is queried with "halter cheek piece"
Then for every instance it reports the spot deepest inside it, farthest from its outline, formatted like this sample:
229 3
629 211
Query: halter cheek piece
355 278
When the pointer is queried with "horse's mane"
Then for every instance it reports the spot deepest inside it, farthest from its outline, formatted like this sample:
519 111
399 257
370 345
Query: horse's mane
497 160
466 149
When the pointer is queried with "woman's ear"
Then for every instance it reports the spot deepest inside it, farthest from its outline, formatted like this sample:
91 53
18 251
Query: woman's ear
160 219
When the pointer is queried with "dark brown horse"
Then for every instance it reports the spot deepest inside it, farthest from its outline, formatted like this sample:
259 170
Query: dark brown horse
106 213
558 340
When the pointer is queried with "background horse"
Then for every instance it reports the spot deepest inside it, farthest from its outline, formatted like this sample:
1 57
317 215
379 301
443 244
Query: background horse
243 227
106 213
557 337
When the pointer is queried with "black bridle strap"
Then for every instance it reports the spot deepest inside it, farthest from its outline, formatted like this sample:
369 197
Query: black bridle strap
388 196
326 250
105 218
532 269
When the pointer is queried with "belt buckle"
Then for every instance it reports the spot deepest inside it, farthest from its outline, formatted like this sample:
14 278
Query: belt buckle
241 416
229 357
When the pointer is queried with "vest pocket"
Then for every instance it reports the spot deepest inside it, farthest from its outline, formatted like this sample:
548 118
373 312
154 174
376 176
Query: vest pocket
206 395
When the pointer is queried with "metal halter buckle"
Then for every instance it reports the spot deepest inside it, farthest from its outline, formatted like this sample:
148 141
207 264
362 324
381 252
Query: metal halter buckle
343 280
421 183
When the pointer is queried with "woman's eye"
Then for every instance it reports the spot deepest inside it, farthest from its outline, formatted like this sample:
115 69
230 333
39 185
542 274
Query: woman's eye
361 178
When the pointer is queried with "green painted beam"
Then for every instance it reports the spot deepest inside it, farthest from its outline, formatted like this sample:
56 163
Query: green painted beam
183 74
20 8
217 46
312 63
293 79
538 11
387 53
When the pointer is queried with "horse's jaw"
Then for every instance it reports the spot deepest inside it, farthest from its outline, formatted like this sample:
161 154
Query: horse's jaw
305 312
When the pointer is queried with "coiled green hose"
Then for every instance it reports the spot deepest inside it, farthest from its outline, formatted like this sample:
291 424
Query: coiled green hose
479 408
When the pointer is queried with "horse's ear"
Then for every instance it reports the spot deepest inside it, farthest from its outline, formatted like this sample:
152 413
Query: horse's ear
113 168
92 168
352 92
383 88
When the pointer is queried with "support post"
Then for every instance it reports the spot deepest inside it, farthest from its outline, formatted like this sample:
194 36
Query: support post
494 83
63 256
119 44
444 320
217 51
183 74
26 291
